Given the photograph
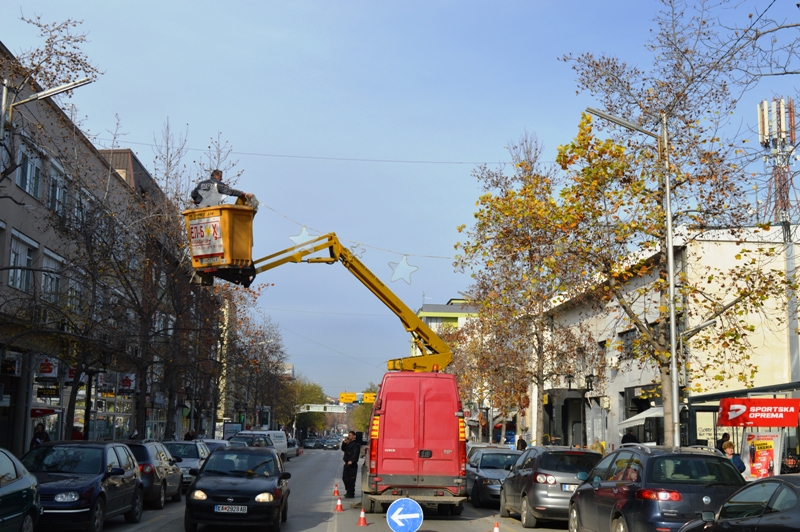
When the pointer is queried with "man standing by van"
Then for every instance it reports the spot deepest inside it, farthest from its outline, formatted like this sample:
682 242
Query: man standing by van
352 452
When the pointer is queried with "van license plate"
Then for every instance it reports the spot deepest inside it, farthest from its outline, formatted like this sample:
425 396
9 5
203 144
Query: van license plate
569 487
230 509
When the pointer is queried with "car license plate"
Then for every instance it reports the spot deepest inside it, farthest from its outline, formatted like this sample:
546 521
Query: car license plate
569 487
230 509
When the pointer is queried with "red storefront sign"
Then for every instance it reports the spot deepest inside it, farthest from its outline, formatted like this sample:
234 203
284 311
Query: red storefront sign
735 412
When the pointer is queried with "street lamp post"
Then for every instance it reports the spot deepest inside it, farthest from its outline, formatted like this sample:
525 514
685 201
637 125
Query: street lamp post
43 95
663 142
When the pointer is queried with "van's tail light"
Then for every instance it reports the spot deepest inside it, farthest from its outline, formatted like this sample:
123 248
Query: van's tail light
542 478
462 447
374 432
658 495
146 468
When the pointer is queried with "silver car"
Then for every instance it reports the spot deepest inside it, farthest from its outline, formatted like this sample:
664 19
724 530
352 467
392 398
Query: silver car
487 468
193 455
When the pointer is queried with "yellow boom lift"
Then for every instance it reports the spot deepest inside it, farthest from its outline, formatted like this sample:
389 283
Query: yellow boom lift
221 241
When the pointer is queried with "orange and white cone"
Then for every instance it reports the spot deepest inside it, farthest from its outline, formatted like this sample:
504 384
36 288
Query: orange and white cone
496 527
339 505
362 521
336 490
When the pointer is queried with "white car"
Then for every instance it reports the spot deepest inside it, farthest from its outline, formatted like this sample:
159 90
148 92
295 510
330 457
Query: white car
292 448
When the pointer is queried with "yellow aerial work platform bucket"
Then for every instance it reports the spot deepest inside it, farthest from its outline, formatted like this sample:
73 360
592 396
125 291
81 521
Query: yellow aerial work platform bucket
221 241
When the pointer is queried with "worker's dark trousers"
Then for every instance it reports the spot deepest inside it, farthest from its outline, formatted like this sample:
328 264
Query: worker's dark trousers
349 473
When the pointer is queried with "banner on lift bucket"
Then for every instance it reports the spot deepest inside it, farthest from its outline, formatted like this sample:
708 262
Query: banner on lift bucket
766 412
205 236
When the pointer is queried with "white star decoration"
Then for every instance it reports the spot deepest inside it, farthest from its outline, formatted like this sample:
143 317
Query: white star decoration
458 267
402 270
357 250
302 238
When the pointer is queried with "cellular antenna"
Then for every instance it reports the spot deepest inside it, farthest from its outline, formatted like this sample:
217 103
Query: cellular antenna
777 134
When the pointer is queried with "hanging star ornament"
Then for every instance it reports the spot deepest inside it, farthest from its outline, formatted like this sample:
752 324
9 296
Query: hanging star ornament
402 270
302 238
357 250
458 266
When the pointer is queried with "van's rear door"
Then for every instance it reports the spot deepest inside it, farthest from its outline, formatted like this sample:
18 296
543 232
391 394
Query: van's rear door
397 443
438 439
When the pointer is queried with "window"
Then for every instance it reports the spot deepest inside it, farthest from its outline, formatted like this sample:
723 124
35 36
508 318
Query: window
124 458
111 459
57 196
29 172
51 276
617 470
785 500
601 468
750 502
8 473
75 296
80 208
20 274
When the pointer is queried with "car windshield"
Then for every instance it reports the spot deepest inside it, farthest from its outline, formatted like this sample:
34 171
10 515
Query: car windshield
65 459
245 439
694 470
214 444
497 460
569 461
184 450
240 464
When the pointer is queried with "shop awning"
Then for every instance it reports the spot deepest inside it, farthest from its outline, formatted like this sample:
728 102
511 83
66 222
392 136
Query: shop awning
639 419
41 412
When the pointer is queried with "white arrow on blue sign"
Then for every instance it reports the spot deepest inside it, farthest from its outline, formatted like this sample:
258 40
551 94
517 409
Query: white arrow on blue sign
404 515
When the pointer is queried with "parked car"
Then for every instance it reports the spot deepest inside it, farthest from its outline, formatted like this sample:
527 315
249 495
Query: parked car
82 484
214 444
278 439
639 488
766 505
239 486
252 439
161 476
193 455
20 507
292 448
310 443
486 471
540 483
237 443
474 447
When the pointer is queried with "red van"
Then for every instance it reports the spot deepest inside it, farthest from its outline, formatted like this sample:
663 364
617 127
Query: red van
417 447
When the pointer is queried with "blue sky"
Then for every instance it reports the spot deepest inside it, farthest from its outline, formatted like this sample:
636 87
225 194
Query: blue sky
360 118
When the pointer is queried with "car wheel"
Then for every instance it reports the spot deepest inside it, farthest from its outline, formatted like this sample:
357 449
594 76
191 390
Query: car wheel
456 509
162 497
475 497
503 507
177 496
367 504
98 516
574 524
526 516
619 525
27 524
134 515
443 509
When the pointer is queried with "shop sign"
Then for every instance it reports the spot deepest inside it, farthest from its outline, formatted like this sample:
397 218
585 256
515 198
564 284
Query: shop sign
761 452
47 392
48 370
735 412
71 377
126 384
11 364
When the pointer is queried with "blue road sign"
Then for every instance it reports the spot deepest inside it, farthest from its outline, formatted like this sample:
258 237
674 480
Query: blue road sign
404 515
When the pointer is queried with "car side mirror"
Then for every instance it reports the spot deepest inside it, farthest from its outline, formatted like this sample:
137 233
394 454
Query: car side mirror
582 476
509 467
194 471
707 517
116 472
177 459
285 475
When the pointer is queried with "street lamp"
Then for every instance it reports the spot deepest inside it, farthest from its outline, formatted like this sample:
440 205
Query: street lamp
43 95
663 141
587 387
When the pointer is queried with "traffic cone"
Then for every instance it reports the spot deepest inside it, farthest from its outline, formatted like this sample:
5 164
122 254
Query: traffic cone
336 490
362 521
339 505
496 527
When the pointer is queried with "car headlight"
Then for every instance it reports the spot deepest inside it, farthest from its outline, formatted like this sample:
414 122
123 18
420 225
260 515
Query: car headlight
199 495
491 481
67 496
264 497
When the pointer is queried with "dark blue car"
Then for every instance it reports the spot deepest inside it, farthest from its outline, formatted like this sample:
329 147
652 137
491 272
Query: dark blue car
82 483
19 496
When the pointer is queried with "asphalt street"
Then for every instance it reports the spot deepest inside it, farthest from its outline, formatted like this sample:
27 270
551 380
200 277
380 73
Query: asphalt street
312 505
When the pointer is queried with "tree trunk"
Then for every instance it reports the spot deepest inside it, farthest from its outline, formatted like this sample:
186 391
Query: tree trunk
69 417
539 429
141 402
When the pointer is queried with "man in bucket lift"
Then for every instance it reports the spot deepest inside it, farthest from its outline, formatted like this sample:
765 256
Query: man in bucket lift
212 191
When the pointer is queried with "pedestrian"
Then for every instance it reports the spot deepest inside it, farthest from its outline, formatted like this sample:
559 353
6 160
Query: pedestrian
39 436
352 451
189 436
721 441
630 437
521 444
212 191
597 446
737 461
